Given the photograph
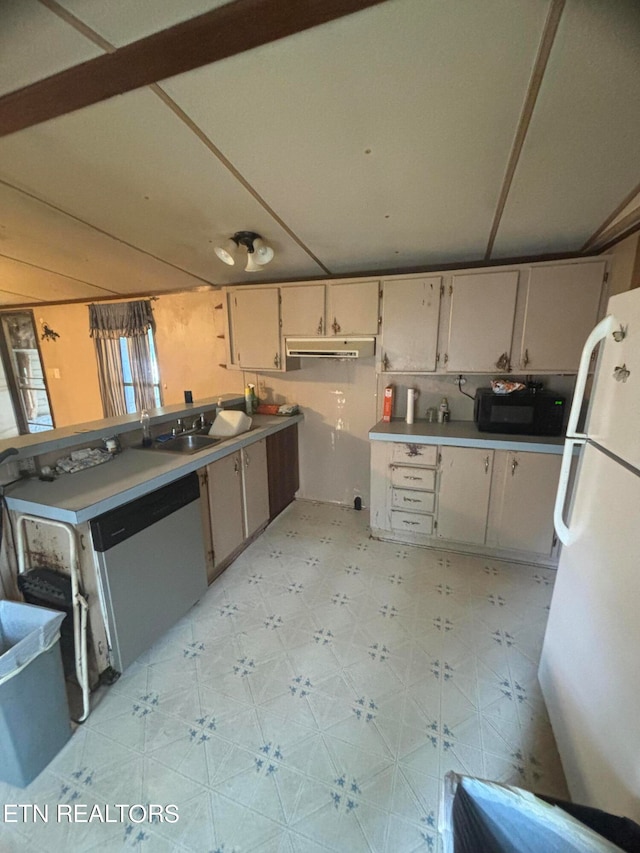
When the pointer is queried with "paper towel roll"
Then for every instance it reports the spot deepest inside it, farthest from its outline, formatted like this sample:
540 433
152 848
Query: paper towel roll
411 396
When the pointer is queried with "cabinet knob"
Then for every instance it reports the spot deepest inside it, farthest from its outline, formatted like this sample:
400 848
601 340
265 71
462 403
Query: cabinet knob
514 465
620 334
621 373
503 362
236 467
486 464
385 362
525 358
276 360
246 459
320 325
335 326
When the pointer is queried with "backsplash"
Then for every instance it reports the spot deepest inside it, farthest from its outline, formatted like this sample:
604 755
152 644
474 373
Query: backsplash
431 390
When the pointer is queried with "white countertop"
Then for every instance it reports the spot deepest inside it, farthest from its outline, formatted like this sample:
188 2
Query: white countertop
78 497
462 434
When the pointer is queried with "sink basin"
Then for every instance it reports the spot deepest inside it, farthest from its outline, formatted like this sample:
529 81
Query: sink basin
187 443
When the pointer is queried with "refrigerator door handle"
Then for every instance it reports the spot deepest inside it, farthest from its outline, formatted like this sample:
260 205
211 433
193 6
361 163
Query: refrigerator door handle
599 333
565 535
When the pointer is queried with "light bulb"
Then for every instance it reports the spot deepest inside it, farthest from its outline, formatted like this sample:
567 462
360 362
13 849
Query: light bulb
251 266
263 253
227 251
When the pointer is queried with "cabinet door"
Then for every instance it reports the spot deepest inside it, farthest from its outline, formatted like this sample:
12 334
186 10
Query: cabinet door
302 310
225 506
523 499
481 322
410 309
255 486
463 497
255 318
562 308
352 309
282 467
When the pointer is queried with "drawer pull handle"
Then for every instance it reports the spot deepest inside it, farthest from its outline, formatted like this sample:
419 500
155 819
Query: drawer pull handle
412 500
413 523
409 477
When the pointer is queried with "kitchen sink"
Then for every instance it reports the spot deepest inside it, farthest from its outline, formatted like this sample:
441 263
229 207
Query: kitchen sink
187 443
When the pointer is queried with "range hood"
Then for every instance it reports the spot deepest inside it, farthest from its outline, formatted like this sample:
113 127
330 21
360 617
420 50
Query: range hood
347 347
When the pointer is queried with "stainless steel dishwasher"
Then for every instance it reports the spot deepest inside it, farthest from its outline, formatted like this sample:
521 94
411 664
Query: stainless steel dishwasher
151 565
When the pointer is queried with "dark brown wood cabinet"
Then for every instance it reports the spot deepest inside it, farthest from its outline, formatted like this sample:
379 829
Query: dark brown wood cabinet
282 465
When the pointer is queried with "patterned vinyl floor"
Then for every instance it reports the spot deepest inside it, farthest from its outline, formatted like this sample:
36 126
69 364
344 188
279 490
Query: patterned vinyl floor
312 701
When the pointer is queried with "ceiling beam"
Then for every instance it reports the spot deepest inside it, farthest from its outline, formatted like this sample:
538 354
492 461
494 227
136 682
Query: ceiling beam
602 234
539 67
223 32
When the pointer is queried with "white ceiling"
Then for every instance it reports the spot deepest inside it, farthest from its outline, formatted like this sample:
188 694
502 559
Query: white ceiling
379 141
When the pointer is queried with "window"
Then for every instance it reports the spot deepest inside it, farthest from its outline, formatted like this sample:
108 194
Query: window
24 373
127 364
127 375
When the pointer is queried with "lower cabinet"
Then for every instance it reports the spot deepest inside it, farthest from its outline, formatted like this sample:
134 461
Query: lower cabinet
238 495
473 499
524 487
224 490
463 497
255 486
282 465
245 490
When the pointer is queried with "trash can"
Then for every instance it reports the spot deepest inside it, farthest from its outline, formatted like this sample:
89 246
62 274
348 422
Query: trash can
495 818
34 714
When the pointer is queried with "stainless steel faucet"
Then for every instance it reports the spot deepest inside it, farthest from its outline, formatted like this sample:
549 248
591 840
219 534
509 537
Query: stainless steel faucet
200 423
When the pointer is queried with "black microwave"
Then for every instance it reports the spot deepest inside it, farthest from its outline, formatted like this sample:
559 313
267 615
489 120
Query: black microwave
521 412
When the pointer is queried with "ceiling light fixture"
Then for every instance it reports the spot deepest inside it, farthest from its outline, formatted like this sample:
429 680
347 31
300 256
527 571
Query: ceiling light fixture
258 253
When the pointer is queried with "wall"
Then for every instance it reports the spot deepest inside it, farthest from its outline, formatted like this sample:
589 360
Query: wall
339 403
342 400
8 426
625 265
431 390
189 354
190 345
70 364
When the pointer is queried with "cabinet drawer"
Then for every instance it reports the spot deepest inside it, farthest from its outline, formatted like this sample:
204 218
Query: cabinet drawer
413 478
414 501
418 454
412 522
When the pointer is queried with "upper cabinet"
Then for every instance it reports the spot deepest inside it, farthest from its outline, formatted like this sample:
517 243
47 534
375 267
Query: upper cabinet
531 320
525 318
255 328
302 310
481 320
352 308
334 309
561 309
410 311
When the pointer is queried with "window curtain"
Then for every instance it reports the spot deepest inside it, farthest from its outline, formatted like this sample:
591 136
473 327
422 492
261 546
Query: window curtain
107 324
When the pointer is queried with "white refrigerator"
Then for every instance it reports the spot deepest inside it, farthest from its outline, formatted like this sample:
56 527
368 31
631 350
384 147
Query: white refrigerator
590 664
